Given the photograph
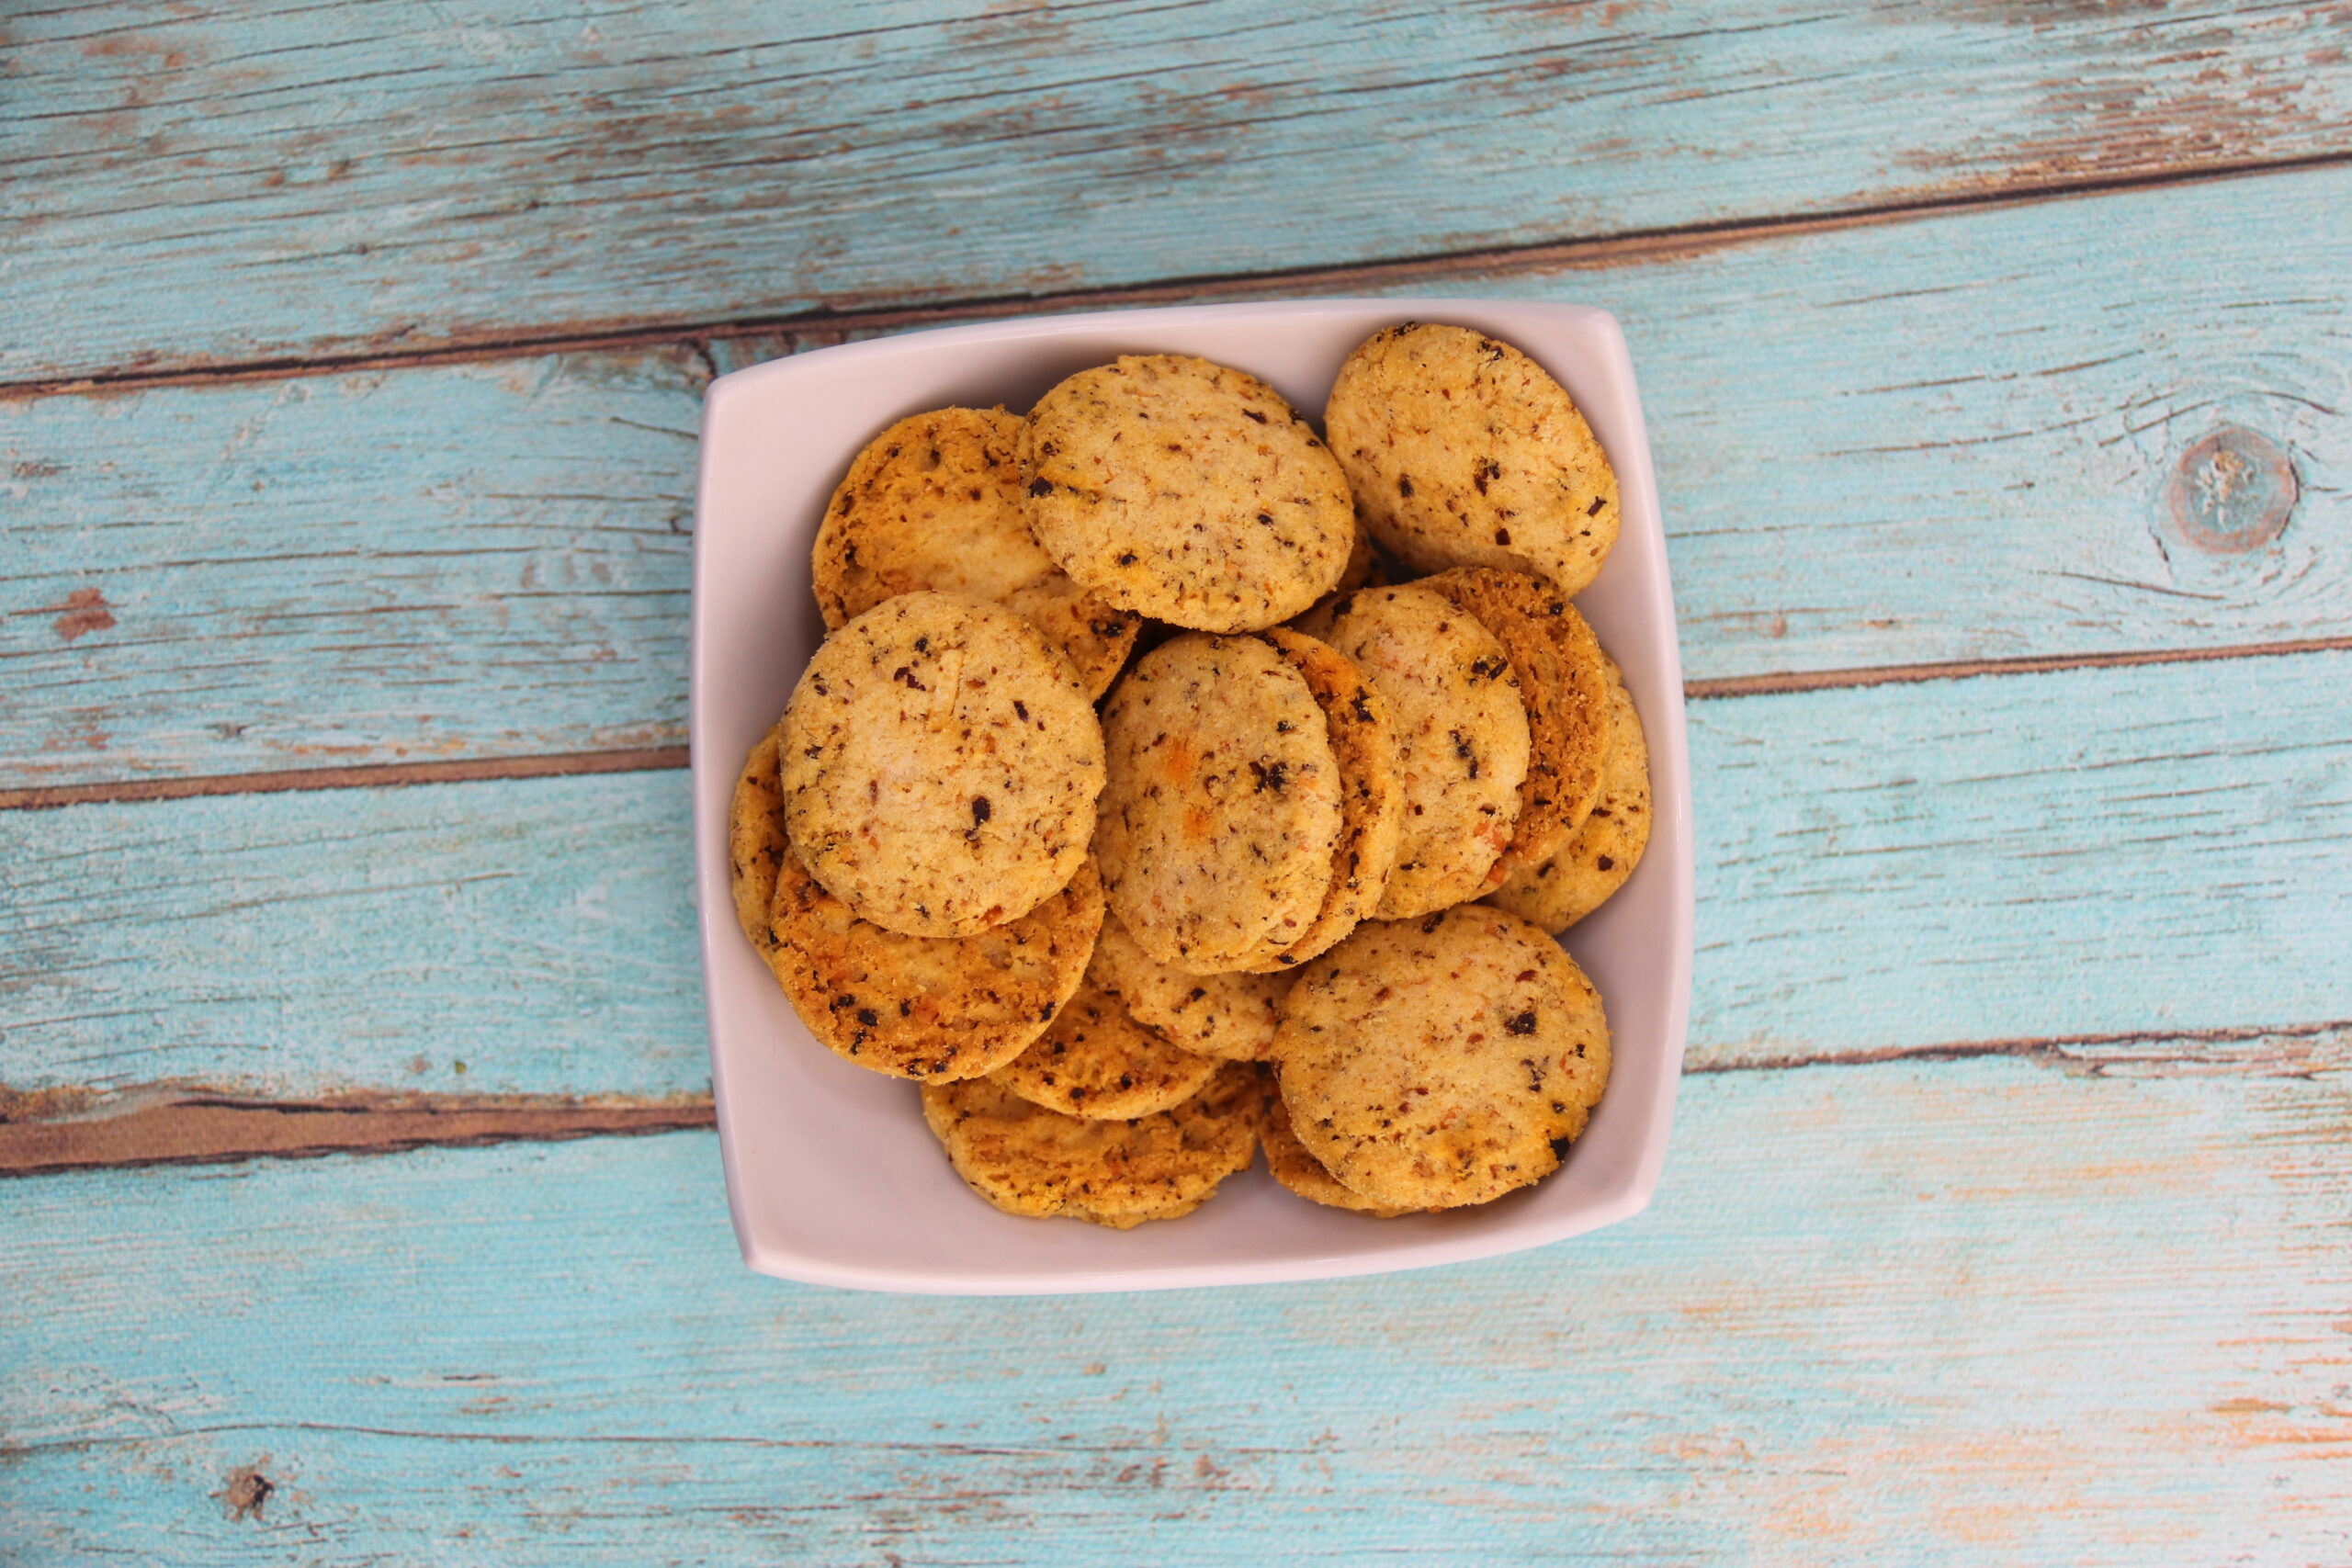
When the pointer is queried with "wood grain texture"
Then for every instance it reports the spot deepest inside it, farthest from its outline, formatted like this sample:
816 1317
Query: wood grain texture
295 181
352 569
1877 448
1883 868
1958 1312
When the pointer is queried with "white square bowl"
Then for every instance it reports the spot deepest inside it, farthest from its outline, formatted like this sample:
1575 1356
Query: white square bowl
831 1176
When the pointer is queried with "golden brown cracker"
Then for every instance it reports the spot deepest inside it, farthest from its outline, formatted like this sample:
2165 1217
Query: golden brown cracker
1095 1061
1563 681
1217 825
941 761
1231 1015
1595 862
1187 492
1031 1161
1463 451
1371 797
1443 1061
936 501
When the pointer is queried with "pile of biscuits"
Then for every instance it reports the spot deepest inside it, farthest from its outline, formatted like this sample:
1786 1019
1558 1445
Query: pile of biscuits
1296 882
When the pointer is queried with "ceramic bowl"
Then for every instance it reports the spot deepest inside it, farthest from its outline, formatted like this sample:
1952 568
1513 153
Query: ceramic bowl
830 1174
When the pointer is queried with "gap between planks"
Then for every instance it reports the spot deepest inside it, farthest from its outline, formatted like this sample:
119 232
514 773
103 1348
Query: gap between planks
386 776
58 1131
1629 248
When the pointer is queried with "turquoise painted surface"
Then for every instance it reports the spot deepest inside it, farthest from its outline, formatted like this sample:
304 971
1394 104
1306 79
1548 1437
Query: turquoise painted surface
481 559
1952 1312
525 936
2083 852
1905 443
304 180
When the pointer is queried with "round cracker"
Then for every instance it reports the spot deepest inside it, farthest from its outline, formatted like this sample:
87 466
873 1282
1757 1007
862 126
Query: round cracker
913 1006
1563 681
1095 1061
936 501
1462 739
1028 1160
1231 1016
1372 800
1223 808
941 761
1305 1175
1461 451
1558 892
1187 492
1441 1061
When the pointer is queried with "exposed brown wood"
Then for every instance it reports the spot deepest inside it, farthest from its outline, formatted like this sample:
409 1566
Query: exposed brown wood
385 776
161 1130
1961 670
822 328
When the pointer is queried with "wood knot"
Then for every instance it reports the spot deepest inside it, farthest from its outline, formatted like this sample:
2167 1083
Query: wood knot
2232 492
248 1489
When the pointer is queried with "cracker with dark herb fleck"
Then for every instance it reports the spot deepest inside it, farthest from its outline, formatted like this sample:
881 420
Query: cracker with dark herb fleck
1461 735
1096 1061
1443 1061
1223 807
1558 892
1563 681
936 501
1031 1161
1188 491
1230 1015
1463 451
941 761
910 1006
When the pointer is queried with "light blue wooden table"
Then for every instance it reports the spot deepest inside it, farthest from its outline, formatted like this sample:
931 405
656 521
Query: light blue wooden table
360 1201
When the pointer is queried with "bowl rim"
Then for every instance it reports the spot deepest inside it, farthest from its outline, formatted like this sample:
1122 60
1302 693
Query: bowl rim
1666 733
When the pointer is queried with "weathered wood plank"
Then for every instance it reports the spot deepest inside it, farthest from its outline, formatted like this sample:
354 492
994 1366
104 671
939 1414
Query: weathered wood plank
2082 853
1877 448
471 560
1965 1313
296 181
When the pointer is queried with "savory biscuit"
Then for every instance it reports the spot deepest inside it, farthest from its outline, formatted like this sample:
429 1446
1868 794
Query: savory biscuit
1563 681
936 501
1558 892
1372 799
1441 1061
913 1007
1462 739
1188 491
1095 1061
1461 451
1217 825
1028 1160
1231 1015
1305 1175
941 761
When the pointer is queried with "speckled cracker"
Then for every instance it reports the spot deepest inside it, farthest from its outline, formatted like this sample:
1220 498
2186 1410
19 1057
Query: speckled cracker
1371 797
1461 451
1230 1015
1222 806
1558 892
1563 681
1188 491
1095 1061
1462 739
1028 1160
1445 1061
936 501
941 762
913 1007
1305 1175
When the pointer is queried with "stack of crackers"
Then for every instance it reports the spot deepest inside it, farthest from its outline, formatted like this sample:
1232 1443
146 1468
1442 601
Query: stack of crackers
1144 809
